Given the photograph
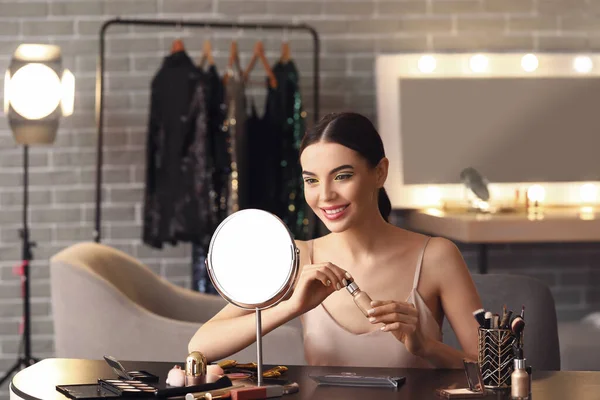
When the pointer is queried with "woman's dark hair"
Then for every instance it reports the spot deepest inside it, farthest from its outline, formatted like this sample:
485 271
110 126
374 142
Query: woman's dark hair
356 132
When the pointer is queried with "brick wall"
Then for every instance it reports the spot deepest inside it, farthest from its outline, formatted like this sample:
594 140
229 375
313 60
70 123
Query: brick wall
352 33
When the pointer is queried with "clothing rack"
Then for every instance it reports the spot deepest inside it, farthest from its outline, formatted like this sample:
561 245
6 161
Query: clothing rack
180 24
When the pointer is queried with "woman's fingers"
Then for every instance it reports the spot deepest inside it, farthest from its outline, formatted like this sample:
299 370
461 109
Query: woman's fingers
336 275
320 276
388 307
398 326
394 317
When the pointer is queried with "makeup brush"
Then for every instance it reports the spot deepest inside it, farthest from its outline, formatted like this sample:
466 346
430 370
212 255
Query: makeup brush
488 320
523 312
504 324
517 326
480 317
495 321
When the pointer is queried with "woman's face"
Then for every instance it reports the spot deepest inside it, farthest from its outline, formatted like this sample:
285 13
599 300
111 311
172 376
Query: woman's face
339 185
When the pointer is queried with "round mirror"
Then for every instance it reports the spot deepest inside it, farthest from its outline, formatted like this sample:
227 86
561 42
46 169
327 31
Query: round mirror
474 181
252 259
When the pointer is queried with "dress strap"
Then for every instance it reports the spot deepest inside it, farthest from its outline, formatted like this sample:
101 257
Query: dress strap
310 251
420 264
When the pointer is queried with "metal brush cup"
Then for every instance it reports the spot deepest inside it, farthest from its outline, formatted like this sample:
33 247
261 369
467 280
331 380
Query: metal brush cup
495 357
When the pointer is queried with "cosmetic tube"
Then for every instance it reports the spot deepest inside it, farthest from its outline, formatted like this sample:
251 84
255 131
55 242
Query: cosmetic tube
519 381
361 299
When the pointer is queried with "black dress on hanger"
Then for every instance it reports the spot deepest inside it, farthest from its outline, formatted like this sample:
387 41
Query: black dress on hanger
179 171
284 120
218 139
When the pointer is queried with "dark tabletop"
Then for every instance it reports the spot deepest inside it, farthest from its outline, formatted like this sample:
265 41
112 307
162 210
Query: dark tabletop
39 381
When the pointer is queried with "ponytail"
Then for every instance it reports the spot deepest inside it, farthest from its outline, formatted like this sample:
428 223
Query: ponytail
385 205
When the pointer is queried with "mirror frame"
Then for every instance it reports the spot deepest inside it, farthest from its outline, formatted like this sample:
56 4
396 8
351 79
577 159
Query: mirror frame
389 68
292 277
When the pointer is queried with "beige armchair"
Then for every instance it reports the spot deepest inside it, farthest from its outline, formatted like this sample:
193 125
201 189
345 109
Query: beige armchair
105 302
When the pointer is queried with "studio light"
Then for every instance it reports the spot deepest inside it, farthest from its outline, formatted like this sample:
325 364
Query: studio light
37 92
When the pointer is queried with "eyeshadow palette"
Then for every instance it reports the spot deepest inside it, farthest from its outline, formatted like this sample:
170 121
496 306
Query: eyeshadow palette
128 388
143 376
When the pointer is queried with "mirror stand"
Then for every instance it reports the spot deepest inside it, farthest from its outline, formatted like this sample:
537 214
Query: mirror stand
259 361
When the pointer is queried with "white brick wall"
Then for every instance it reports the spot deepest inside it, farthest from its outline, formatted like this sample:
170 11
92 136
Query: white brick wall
62 176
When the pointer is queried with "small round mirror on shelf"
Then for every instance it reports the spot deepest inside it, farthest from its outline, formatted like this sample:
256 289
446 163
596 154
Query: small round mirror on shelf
253 262
476 183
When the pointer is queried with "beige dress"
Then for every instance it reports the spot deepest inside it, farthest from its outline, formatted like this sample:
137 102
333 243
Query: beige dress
328 343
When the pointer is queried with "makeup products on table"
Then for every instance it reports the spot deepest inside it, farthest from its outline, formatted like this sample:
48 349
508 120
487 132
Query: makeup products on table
128 388
176 376
520 378
500 343
480 316
497 321
474 380
361 299
245 393
237 371
195 368
129 375
488 320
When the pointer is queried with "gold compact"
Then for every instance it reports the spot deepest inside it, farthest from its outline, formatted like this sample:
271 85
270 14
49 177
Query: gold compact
195 368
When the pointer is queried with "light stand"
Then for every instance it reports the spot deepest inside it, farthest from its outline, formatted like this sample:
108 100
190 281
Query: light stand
26 359
37 92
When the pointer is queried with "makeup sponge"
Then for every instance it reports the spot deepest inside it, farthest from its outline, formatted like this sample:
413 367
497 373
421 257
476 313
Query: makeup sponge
214 369
176 377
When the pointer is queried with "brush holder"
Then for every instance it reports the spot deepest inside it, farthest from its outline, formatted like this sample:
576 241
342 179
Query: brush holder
495 357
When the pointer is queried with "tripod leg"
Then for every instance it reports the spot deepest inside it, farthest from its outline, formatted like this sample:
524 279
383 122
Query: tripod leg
14 369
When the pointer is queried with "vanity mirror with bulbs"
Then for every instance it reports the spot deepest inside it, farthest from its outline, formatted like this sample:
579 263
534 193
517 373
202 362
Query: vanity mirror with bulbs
524 125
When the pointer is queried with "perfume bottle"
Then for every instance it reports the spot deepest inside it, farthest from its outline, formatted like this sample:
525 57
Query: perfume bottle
361 299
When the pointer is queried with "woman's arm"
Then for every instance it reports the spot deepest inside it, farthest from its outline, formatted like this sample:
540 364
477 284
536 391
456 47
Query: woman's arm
233 329
458 297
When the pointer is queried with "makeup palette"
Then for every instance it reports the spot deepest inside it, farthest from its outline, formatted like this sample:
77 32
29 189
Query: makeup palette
143 376
128 388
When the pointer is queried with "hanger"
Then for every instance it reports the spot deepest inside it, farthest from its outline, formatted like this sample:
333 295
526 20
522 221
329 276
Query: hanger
234 56
285 52
259 53
285 49
177 44
234 61
207 54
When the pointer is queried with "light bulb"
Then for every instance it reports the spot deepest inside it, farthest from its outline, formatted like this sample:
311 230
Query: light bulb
588 193
35 91
536 193
433 195
582 64
529 62
427 64
478 63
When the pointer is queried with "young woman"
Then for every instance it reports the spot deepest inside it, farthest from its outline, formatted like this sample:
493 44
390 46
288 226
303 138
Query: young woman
414 280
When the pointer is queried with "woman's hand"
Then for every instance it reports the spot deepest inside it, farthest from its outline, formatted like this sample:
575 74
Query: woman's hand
402 320
315 283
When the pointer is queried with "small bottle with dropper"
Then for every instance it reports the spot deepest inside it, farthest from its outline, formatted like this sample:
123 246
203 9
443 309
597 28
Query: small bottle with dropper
361 299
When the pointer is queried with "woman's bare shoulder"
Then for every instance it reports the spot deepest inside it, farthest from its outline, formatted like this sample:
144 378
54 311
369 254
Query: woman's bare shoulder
304 247
444 261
